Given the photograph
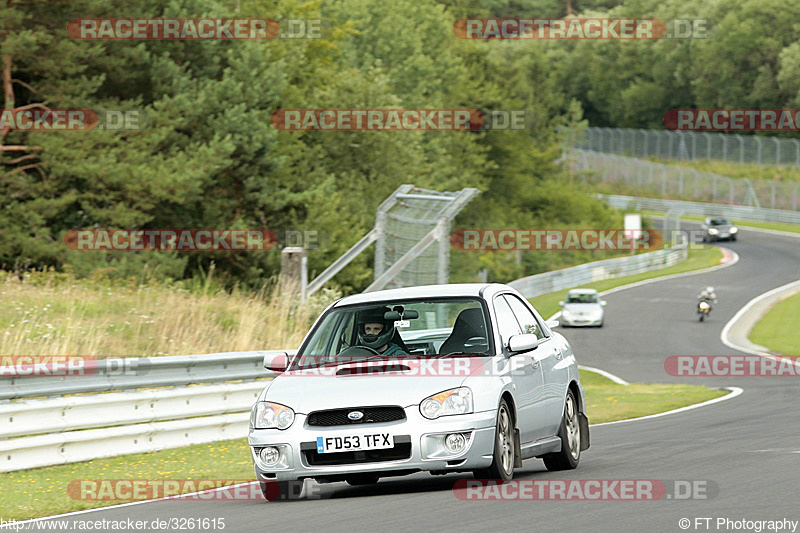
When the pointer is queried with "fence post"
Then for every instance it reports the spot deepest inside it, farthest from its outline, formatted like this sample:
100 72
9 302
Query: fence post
294 270
694 145
772 196
724 147
758 142
741 148
708 146
777 151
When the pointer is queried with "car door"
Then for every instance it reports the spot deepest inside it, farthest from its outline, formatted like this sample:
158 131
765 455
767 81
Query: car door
549 355
526 376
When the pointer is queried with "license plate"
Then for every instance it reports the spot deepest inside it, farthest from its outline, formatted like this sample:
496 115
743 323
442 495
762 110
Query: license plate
353 443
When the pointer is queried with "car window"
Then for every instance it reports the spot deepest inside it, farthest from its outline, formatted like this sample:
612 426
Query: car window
719 222
578 298
506 321
526 319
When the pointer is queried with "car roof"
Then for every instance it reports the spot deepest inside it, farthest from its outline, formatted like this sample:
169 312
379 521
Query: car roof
424 291
582 291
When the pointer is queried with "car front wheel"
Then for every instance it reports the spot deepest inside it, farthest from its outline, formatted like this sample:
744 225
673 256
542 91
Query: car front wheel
502 466
570 434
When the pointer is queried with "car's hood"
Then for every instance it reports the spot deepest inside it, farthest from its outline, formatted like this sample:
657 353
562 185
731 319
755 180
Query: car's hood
583 309
334 387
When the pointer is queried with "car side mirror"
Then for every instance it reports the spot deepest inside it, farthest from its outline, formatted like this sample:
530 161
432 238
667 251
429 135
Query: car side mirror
603 302
276 361
523 343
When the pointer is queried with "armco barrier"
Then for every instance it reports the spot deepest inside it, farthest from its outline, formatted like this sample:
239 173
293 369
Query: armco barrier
740 212
141 372
568 278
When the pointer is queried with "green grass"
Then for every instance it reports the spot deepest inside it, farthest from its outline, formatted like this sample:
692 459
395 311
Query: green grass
791 228
608 401
732 169
707 256
44 491
778 329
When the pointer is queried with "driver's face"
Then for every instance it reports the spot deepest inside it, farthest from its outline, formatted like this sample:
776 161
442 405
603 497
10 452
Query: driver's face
373 328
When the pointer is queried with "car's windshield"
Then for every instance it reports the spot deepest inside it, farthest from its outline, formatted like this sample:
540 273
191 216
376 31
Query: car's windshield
412 328
582 299
718 222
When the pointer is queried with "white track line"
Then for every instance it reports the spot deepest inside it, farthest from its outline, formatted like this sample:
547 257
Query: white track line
734 392
609 375
726 330
733 261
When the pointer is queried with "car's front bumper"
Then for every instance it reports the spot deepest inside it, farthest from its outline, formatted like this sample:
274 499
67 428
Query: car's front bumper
576 321
417 447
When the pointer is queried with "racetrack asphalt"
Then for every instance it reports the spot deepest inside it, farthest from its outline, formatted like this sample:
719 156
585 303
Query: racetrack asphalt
746 450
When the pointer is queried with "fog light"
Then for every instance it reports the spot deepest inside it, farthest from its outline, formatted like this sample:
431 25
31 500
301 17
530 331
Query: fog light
269 455
455 443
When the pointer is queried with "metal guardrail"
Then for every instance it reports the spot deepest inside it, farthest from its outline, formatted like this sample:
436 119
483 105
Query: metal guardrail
702 209
138 372
568 278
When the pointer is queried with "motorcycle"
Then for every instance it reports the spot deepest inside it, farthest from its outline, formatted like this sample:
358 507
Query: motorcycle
703 309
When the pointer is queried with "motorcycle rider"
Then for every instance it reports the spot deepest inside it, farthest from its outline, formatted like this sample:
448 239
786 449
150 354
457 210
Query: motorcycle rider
375 332
708 295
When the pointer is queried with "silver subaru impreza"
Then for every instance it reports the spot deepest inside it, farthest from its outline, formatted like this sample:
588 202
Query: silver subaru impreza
438 378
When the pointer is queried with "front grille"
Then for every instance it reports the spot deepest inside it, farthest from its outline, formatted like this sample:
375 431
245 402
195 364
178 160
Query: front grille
372 415
401 451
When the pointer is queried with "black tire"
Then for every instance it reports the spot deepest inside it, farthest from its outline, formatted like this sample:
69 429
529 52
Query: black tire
701 317
282 490
733 238
570 434
502 466
361 479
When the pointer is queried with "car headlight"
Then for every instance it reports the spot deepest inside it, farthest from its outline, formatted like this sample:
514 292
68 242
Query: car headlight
566 312
266 415
734 229
713 231
450 402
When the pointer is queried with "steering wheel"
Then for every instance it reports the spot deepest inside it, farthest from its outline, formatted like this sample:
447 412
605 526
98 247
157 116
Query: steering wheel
359 350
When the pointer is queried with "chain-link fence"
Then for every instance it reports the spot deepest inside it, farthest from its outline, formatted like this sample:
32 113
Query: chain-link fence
684 145
413 227
640 177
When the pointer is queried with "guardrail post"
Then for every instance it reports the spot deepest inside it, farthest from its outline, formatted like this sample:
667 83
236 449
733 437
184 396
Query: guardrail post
294 270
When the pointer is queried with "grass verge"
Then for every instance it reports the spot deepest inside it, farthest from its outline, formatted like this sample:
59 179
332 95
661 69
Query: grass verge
608 401
43 491
777 330
50 313
699 258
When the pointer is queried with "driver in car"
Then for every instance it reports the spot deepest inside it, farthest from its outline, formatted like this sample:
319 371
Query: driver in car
375 332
